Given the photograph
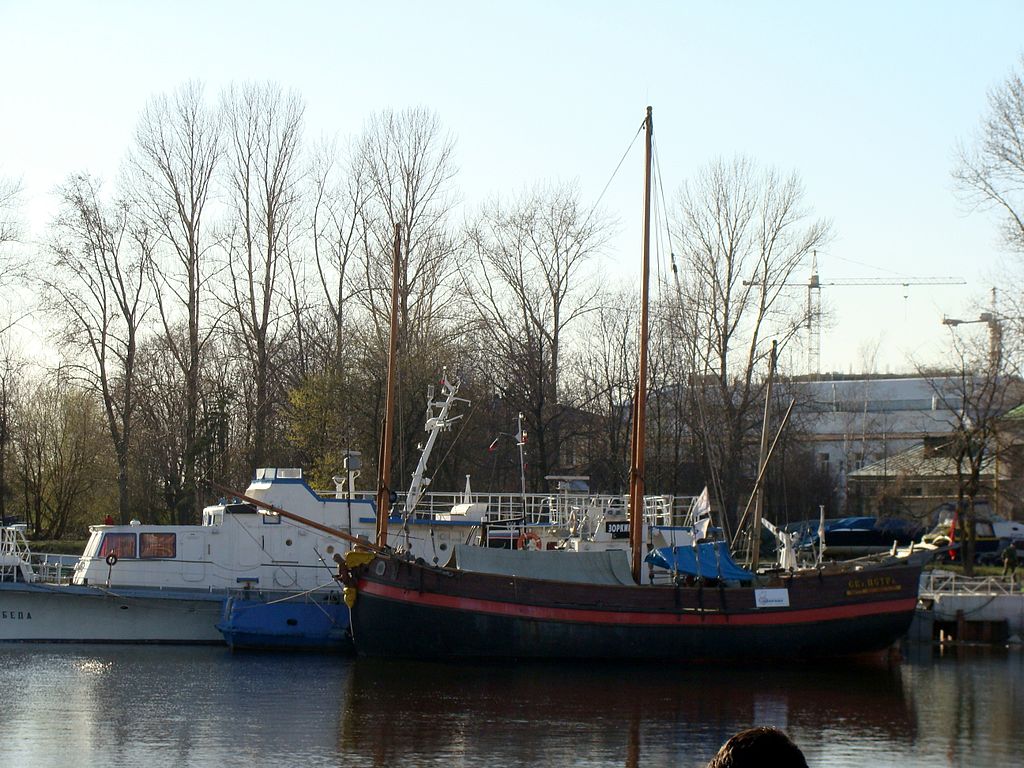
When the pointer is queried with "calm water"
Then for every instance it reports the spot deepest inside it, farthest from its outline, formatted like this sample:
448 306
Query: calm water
152 706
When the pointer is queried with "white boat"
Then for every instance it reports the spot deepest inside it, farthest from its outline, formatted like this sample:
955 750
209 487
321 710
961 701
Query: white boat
158 583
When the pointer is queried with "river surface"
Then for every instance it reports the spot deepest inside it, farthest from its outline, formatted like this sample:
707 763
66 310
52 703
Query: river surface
171 706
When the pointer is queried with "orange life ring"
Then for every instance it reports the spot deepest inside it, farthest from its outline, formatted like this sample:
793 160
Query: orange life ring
526 536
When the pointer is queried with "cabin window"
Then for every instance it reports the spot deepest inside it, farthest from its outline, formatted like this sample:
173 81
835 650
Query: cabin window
271 519
983 529
157 545
120 544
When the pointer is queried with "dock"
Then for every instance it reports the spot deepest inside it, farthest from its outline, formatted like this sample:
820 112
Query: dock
960 609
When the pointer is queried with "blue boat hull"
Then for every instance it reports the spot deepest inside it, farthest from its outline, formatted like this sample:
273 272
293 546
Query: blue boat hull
304 623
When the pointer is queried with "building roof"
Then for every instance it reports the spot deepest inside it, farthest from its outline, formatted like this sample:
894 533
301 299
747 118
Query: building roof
920 461
905 407
1015 414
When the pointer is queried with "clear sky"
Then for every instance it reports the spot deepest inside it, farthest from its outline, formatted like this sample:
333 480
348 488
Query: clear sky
865 100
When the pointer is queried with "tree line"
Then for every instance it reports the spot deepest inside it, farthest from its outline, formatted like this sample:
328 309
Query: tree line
223 304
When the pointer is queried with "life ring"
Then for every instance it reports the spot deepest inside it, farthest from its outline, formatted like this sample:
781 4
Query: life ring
526 536
111 559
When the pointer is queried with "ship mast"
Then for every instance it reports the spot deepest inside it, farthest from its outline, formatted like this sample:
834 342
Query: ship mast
636 469
762 461
387 428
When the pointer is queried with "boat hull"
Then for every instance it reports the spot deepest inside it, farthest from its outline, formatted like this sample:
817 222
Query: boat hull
408 610
77 614
299 623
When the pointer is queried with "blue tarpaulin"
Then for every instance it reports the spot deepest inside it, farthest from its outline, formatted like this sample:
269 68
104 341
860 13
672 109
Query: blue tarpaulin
715 561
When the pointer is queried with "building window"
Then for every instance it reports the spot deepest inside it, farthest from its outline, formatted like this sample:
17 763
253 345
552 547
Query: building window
823 462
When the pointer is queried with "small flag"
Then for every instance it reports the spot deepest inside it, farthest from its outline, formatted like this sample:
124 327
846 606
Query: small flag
701 505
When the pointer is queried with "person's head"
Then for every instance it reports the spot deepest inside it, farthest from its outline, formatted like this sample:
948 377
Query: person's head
759 748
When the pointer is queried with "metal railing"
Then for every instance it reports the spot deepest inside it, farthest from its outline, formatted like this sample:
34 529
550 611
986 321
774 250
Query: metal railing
561 510
935 583
15 557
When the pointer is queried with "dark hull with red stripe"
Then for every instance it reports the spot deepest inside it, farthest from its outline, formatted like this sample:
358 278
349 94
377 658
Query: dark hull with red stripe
410 610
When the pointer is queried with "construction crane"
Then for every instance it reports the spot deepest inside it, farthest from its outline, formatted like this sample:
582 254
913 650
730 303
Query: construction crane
814 286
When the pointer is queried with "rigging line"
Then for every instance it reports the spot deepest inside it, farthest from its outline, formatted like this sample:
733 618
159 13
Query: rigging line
615 173
455 440
664 205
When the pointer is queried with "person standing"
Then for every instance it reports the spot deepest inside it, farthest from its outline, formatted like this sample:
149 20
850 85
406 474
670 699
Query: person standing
1010 560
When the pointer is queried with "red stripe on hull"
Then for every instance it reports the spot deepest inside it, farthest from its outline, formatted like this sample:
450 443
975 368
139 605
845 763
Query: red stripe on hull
762 617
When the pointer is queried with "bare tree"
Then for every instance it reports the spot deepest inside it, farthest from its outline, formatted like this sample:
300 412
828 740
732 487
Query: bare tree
95 289
340 191
741 233
10 231
607 371
975 395
409 167
177 150
990 172
11 375
60 458
528 287
264 133
10 201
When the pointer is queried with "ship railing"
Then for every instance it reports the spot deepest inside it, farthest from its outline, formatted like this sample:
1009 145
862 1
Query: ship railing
14 553
557 510
53 569
935 583
17 558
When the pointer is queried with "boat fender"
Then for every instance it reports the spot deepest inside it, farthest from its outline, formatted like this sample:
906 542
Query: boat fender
349 595
526 536
111 559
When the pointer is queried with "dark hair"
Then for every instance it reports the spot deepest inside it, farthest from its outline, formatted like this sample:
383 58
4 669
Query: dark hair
759 748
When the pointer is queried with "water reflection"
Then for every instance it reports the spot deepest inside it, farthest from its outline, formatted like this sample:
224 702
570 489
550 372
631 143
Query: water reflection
110 706
600 715
970 705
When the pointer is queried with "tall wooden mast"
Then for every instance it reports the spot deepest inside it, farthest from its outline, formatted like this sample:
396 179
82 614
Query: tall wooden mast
636 469
388 427
762 460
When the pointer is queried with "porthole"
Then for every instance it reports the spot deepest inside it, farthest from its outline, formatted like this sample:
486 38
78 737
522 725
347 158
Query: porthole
287 542
330 549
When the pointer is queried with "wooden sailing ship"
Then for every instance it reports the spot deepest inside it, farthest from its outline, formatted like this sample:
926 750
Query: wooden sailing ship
564 605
